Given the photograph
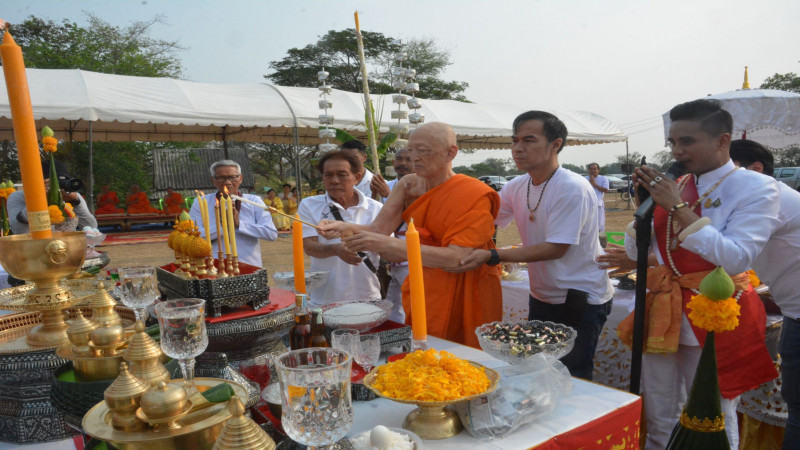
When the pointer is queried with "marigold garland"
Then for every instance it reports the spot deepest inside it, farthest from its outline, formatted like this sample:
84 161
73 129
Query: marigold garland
69 211
754 280
430 376
49 144
710 315
56 216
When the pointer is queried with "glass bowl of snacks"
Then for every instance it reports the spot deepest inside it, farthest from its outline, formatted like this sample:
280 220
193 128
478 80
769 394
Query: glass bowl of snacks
361 315
513 342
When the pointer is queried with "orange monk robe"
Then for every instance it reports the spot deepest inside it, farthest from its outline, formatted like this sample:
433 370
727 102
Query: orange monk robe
107 203
174 204
459 212
138 203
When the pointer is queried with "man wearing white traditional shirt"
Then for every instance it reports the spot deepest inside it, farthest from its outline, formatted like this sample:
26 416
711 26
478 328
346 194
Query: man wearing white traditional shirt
250 222
600 185
364 177
555 211
778 266
716 215
350 278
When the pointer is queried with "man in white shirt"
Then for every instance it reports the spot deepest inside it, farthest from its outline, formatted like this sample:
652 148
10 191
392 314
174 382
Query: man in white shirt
716 215
600 185
251 222
778 266
555 211
364 177
351 276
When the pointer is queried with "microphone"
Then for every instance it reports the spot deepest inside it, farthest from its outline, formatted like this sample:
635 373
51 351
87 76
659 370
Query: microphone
646 207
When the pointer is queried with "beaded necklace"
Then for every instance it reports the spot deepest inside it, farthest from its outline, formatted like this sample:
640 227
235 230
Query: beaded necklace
541 194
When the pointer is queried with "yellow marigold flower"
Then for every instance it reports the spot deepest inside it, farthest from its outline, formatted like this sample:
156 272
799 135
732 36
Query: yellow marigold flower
5 192
754 280
50 144
710 315
69 211
430 376
56 216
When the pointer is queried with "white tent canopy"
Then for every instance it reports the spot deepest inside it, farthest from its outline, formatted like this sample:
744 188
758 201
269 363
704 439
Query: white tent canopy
126 108
768 116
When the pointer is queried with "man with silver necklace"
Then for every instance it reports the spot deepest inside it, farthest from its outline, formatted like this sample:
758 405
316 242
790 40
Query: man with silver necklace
716 215
556 214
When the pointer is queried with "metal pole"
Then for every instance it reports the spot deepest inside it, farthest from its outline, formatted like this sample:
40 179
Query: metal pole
628 161
90 193
225 141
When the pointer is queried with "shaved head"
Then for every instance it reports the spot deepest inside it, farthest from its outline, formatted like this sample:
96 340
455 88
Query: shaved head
439 132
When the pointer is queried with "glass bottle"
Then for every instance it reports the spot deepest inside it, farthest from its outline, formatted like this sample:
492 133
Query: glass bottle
300 334
318 329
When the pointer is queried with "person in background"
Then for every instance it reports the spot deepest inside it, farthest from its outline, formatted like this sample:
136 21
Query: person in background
138 203
364 178
281 222
174 204
600 185
351 276
107 202
252 223
285 195
778 266
320 191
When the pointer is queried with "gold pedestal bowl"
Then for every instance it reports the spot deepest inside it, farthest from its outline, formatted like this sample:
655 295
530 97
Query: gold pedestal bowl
46 262
434 420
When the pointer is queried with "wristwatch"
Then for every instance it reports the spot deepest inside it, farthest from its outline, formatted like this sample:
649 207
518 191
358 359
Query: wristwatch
494 259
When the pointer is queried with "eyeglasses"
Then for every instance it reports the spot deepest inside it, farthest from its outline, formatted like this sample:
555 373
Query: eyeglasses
222 179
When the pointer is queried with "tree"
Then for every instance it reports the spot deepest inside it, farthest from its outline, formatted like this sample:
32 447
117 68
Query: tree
783 82
575 168
337 52
99 48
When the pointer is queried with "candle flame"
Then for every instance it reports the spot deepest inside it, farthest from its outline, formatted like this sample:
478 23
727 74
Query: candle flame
225 189
217 202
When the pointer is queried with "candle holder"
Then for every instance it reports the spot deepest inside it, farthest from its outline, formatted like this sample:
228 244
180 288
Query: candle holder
211 270
229 264
178 262
236 271
221 263
45 262
200 263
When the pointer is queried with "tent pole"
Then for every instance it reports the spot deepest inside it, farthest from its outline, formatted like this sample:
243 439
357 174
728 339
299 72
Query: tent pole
295 143
90 193
627 160
225 141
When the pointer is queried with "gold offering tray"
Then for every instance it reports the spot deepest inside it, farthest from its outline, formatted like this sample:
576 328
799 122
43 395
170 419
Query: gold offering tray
434 420
15 298
198 430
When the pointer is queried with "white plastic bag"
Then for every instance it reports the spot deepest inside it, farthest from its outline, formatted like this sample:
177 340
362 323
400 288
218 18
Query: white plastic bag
525 393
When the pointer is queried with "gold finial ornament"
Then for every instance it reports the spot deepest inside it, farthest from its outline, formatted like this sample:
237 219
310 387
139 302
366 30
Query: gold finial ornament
746 84
122 398
144 356
240 432
102 305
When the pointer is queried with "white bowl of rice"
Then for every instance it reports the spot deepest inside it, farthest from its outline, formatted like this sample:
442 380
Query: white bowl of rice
362 315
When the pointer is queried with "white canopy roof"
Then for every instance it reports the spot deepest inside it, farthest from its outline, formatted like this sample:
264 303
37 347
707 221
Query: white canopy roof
768 116
126 108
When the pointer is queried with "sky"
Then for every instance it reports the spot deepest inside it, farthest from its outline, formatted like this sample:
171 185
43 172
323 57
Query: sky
627 60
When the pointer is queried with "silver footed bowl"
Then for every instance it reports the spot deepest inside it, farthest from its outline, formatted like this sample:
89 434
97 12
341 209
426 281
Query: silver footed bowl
529 338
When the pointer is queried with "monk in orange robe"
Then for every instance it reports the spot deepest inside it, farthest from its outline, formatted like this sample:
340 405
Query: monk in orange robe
174 203
138 203
107 202
454 214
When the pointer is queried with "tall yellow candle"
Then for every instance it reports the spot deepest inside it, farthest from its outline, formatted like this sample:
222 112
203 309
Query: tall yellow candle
297 257
419 325
219 235
232 227
30 165
224 217
204 215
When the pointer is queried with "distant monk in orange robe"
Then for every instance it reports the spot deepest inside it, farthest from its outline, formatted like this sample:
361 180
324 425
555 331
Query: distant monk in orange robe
174 203
138 203
454 214
107 202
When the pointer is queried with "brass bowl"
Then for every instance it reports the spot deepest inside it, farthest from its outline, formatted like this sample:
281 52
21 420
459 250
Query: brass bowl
434 420
43 259
163 401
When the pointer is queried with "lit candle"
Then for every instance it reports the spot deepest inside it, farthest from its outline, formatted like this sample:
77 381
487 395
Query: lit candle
204 214
216 216
30 164
231 226
224 217
419 325
297 257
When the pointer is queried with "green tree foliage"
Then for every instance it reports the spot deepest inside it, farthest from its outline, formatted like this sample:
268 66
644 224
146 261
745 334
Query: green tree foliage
337 52
577 169
783 82
100 47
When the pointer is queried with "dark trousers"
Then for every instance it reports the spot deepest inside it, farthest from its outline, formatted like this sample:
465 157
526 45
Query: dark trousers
790 373
580 361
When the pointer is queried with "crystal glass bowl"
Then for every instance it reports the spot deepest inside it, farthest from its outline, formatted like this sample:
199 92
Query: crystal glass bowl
515 352
285 280
350 314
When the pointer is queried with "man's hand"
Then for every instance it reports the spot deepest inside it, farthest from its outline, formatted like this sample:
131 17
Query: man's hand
346 255
235 216
616 258
379 185
475 259
365 241
332 229
664 190
71 197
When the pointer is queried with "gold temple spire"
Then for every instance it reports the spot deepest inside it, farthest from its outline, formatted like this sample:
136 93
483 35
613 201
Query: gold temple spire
746 84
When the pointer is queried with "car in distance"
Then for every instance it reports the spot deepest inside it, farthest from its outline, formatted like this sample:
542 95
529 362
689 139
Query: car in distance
495 182
615 184
788 175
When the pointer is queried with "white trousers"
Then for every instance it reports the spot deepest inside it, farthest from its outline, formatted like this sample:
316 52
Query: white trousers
666 383
395 293
601 218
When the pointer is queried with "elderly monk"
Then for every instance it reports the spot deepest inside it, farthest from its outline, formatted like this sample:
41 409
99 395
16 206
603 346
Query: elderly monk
138 203
107 202
454 214
174 202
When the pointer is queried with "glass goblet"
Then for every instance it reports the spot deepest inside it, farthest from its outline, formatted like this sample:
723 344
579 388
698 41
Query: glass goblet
183 334
369 350
256 369
139 288
345 339
316 405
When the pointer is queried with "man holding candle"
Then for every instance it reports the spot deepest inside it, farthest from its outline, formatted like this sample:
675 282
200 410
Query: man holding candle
249 223
351 277
453 214
556 214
